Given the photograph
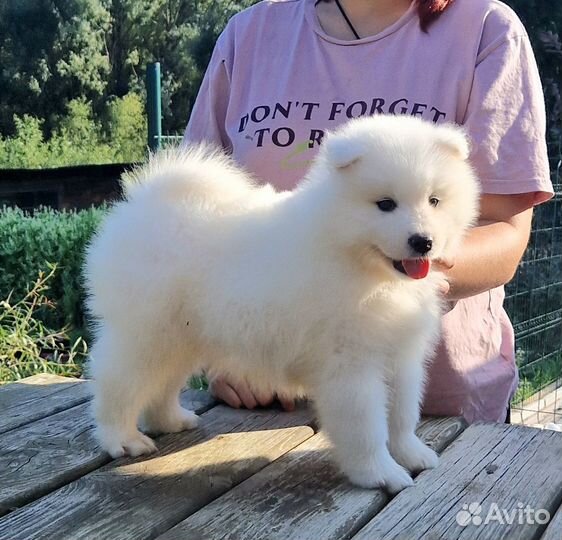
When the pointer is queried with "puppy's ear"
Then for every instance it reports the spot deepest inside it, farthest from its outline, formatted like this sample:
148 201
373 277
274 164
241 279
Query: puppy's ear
341 151
455 140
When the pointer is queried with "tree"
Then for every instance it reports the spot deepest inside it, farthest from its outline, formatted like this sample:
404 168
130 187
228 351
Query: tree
127 128
180 34
51 52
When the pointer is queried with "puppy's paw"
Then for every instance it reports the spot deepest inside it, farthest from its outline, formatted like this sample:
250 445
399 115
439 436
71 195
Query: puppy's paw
385 474
182 420
413 454
118 444
174 421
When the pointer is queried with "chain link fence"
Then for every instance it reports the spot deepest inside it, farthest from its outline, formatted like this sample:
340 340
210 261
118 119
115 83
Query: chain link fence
534 304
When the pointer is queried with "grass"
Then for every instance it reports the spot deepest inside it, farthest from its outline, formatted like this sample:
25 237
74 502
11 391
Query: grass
533 380
28 346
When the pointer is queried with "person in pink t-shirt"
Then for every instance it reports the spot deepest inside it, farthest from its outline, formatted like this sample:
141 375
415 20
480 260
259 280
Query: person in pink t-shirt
285 71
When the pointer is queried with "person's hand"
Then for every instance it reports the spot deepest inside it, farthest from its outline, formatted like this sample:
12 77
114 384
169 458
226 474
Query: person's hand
239 394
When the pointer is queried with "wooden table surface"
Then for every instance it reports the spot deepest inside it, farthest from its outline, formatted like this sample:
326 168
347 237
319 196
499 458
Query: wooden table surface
259 475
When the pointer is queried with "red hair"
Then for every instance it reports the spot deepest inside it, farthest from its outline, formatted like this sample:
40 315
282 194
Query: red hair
430 10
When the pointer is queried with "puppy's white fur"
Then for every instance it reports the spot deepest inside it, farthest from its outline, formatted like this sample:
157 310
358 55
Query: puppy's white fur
201 268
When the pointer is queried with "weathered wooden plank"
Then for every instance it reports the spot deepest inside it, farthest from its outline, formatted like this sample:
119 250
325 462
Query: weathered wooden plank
44 455
496 468
300 496
141 498
39 396
554 528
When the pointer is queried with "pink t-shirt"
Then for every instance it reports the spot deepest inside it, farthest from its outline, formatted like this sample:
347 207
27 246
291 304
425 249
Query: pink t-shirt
276 82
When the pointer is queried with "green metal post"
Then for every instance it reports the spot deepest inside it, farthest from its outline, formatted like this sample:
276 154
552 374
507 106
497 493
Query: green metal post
154 105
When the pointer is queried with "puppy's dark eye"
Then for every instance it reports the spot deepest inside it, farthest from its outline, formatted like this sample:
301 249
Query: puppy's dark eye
434 201
386 205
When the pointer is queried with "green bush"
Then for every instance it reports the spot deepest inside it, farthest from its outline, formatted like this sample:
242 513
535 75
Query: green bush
30 243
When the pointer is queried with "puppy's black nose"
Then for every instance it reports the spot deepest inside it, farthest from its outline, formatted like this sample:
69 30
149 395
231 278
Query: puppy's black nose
420 244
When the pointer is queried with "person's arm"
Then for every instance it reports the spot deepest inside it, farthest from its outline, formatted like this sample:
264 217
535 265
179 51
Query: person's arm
491 252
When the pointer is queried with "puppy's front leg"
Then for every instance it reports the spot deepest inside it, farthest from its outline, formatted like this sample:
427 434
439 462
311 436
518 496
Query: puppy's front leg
352 403
407 391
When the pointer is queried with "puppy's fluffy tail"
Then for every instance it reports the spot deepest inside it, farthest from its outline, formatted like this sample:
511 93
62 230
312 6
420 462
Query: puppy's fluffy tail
200 174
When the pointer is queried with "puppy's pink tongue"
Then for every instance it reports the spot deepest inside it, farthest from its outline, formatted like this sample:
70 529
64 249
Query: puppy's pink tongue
416 268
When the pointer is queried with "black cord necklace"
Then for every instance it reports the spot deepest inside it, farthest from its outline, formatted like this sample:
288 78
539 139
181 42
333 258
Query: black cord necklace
344 14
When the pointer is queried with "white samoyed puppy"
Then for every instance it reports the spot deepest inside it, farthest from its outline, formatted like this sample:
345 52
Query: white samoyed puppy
326 291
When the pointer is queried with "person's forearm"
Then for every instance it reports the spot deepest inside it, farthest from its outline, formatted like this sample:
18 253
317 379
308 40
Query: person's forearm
487 258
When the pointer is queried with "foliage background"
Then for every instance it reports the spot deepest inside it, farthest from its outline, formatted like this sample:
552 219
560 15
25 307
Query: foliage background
73 72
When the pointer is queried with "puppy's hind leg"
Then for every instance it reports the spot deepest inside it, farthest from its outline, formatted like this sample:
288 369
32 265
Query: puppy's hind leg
124 382
164 413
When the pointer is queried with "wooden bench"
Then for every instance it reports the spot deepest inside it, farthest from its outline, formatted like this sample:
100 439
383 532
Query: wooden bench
263 474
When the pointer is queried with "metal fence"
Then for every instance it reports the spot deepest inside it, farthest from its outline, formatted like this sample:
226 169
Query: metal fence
534 303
